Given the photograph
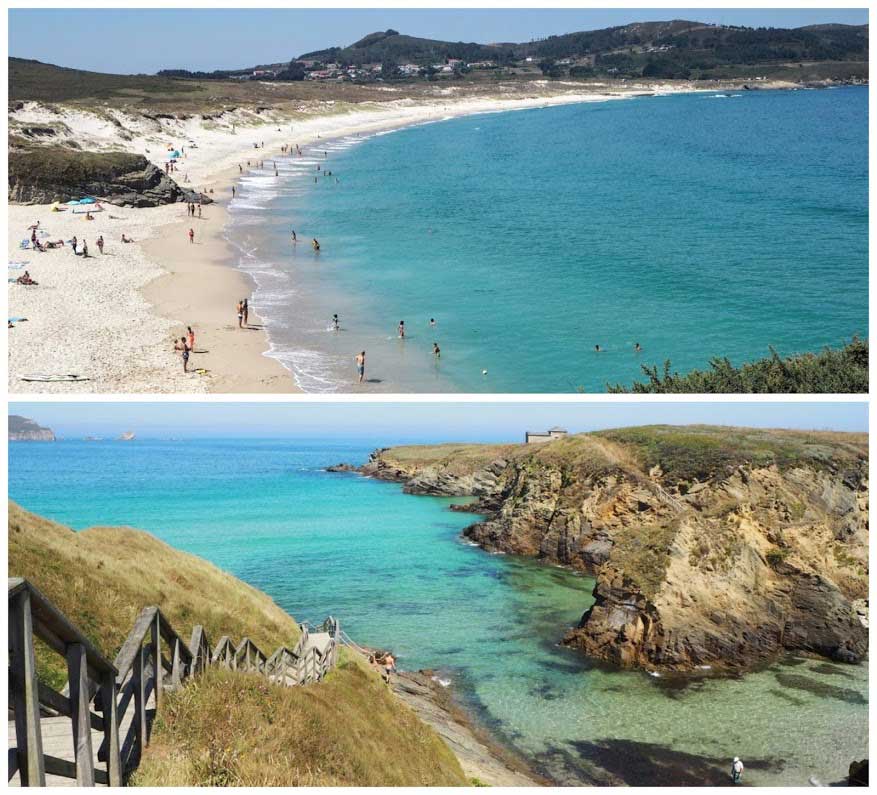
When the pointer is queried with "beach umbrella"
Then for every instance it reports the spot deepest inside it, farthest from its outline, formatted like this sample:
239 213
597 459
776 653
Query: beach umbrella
73 201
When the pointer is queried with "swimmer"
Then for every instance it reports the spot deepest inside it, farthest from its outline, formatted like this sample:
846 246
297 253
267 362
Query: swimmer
432 322
401 329
596 349
436 351
636 347
315 244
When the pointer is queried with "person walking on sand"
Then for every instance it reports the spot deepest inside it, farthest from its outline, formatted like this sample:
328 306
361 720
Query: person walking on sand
360 365
199 209
401 329
240 314
180 347
191 338
84 248
191 235
100 244
737 770
74 243
246 308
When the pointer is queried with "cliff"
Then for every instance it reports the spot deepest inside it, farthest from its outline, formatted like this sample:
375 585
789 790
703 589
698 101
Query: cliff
710 546
22 429
41 175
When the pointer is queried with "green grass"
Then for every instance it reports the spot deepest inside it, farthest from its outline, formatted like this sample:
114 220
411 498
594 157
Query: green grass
700 452
833 371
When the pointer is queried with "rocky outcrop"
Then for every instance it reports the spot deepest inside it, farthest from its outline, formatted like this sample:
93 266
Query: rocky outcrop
22 429
43 175
703 555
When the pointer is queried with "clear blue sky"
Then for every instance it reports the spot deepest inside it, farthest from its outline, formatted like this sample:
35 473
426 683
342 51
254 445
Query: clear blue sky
390 423
146 40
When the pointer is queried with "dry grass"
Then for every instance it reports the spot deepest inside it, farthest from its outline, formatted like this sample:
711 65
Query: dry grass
102 577
235 729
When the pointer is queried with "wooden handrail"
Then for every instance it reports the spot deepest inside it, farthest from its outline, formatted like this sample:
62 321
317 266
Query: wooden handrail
138 672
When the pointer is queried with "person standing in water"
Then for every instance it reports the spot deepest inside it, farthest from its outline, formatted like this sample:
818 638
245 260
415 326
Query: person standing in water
315 244
232 191
246 309
336 323
360 365
637 348
191 235
294 238
432 322
436 351
401 329
596 349
737 770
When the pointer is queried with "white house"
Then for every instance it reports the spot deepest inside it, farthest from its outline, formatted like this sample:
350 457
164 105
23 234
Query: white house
538 437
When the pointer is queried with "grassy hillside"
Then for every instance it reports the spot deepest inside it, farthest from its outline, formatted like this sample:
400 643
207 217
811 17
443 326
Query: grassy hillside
348 731
682 452
229 727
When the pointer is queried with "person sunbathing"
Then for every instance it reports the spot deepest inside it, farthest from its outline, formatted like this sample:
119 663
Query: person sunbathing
126 239
54 243
37 246
26 279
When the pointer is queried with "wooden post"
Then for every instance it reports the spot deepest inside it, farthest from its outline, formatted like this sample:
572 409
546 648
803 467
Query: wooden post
140 727
176 665
25 692
77 677
158 667
109 701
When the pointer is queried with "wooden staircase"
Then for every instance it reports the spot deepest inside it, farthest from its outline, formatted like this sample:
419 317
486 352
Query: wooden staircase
95 731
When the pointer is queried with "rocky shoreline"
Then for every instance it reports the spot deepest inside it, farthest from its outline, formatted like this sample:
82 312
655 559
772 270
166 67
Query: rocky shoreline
484 762
725 562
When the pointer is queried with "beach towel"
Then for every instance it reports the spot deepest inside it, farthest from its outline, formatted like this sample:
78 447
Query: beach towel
16 319
53 377
24 244
16 266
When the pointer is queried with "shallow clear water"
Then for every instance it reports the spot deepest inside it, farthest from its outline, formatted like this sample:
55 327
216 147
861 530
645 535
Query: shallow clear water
697 225
393 568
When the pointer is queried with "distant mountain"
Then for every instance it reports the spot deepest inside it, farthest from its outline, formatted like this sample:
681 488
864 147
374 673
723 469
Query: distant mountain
677 48
22 429
395 46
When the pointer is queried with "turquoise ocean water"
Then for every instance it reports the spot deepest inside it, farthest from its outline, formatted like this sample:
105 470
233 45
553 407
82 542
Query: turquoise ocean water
697 225
394 569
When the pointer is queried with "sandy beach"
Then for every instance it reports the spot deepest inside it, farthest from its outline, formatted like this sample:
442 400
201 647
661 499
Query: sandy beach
112 319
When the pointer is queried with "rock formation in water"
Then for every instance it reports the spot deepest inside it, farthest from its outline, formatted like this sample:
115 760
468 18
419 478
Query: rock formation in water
710 546
22 429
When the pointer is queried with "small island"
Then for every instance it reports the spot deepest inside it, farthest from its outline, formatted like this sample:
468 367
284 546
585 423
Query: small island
22 429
